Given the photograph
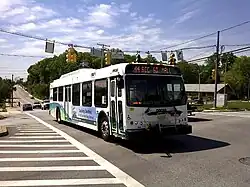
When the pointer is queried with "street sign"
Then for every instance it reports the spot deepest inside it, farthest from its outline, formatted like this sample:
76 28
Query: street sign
49 47
96 52
179 55
164 56
117 55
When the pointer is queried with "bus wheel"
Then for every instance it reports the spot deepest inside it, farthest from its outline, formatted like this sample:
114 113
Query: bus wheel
104 129
58 116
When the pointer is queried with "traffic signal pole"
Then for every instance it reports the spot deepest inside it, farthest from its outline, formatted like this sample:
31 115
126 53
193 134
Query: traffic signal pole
216 69
102 50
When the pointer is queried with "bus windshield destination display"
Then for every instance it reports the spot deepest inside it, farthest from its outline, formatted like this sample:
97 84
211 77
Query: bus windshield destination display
151 69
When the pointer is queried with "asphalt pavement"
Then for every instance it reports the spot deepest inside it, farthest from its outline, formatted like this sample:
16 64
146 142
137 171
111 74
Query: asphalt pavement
38 151
23 96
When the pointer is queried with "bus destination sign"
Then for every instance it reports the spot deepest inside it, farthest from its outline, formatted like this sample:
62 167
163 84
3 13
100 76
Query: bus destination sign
151 69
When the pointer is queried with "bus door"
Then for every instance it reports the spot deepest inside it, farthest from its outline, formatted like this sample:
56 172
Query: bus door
116 117
67 100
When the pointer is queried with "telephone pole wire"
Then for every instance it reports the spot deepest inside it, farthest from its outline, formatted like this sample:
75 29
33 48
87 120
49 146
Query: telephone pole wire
102 51
216 68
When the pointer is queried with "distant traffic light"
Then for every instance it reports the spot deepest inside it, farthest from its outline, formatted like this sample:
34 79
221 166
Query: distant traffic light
108 58
172 59
213 74
138 58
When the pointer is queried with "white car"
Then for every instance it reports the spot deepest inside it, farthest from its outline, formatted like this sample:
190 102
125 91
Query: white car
45 105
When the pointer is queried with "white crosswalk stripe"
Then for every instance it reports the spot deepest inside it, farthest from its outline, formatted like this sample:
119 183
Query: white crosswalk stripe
45 149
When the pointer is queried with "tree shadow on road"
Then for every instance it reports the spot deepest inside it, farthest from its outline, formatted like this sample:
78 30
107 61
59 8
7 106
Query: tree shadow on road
196 119
177 144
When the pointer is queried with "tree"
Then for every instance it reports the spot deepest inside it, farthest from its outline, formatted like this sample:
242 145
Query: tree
190 72
238 76
5 89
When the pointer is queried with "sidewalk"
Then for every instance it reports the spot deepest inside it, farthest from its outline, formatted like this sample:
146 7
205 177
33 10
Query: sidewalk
10 111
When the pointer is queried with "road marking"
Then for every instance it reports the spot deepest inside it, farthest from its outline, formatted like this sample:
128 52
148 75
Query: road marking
47 133
31 141
43 159
34 145
31 131
53 168
41 151
116 172
32 137
61 182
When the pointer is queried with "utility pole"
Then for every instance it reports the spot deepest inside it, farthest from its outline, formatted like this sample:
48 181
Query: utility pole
216 68
12 90
102 50
199 95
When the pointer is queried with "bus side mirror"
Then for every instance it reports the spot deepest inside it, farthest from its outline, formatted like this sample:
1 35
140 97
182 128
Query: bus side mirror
120 82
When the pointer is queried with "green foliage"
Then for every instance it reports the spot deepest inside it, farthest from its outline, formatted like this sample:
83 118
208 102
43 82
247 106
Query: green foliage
238 77
5 89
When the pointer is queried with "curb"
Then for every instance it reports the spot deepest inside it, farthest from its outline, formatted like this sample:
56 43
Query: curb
210 111
3 131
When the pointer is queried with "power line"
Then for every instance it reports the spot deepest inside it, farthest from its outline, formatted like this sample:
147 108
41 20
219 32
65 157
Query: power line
40 38
232 27
158 51
236 45
211 34
189 41
28 56
239 50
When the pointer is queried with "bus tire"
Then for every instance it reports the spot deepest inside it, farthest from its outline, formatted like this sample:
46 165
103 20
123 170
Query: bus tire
104 129
58 116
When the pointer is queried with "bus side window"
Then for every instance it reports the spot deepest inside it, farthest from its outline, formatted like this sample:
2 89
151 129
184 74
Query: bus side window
54 94
87 94
76 94
60 93
101 93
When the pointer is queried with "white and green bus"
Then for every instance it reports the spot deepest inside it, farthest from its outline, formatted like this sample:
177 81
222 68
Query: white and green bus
123 100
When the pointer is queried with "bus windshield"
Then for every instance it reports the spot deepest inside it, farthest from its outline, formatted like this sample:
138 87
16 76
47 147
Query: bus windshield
155 91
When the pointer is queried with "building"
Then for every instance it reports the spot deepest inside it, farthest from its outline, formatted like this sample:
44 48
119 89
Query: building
207 90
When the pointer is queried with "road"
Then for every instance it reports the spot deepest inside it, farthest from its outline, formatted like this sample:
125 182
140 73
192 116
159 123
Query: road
40 151
21 95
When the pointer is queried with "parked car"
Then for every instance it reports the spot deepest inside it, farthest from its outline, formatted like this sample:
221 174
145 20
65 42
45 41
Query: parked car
27 106
45 104
37 105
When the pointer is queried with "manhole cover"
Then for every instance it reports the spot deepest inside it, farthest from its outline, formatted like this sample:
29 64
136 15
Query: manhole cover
245 160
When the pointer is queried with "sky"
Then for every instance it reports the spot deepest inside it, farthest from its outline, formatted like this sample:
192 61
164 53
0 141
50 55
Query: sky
128 25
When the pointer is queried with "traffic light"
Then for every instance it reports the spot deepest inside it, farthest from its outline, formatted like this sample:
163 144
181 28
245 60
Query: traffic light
172 59
138 58
108 58
213 74
71 55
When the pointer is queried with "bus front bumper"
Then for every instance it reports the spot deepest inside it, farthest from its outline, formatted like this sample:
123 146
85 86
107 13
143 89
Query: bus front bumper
163 131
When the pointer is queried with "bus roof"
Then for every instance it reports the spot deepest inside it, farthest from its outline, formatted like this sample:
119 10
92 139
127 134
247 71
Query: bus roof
89 74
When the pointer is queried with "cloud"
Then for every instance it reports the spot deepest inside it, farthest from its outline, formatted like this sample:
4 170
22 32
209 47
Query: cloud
104 14
113 24
17 11
186 16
